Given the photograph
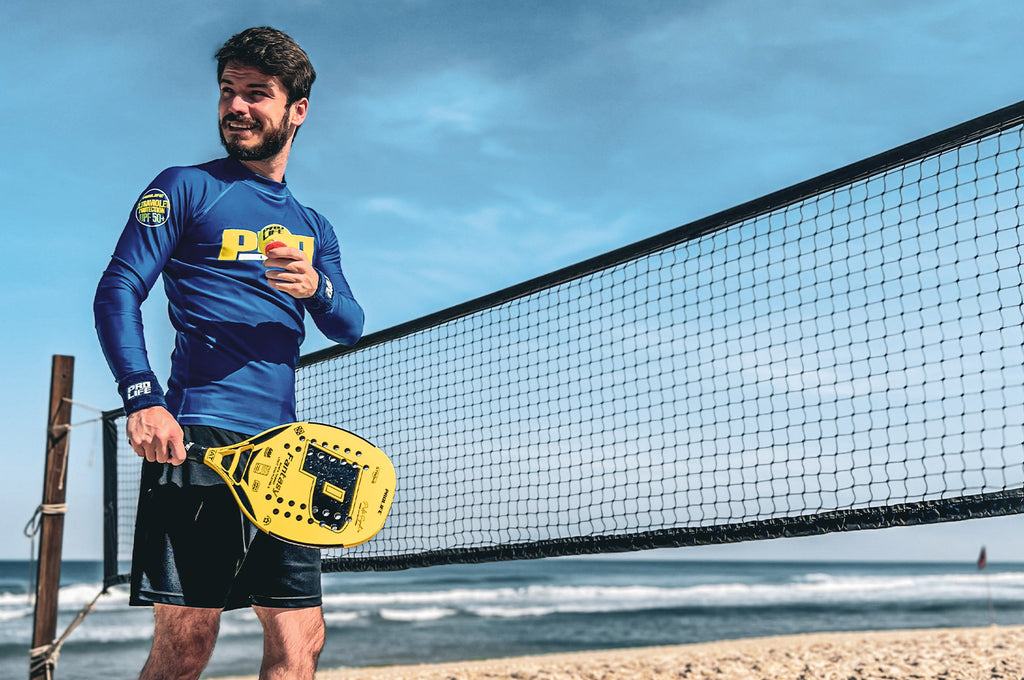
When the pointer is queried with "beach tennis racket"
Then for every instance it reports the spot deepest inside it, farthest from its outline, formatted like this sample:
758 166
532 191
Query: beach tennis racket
307 483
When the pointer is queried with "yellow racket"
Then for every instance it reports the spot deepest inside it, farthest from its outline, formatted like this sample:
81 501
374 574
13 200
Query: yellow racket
307 483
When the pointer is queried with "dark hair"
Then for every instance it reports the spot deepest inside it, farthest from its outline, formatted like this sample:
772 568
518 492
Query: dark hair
272 53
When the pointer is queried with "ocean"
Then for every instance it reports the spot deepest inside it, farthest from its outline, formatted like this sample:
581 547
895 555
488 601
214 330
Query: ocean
459 612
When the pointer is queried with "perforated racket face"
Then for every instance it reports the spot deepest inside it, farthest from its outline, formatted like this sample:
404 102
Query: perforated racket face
309 483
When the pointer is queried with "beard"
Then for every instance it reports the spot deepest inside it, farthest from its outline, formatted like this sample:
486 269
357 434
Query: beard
272 143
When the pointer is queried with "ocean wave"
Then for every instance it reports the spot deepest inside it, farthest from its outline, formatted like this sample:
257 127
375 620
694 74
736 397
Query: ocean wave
688 594
78 595
341 617
414 615
14 613
1008 586
136 623
419 597
106 632
540 600
73 596
15 599
512 612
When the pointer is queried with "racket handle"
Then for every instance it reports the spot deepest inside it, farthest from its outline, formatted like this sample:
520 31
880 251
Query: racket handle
195 452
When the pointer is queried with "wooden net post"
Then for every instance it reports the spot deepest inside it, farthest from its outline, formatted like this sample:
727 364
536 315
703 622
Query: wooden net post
51 523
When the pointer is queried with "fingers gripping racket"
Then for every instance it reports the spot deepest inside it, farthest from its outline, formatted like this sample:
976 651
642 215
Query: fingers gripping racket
307 483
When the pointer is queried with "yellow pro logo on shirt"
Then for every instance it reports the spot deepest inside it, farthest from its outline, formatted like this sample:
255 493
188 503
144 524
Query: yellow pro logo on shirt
242 244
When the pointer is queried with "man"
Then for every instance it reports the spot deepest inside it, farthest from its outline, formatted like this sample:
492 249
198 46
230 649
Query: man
238 319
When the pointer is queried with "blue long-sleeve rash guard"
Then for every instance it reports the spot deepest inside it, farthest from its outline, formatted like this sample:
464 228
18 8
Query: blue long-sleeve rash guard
237 339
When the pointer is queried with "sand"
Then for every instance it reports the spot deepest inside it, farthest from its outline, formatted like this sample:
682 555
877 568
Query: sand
947 654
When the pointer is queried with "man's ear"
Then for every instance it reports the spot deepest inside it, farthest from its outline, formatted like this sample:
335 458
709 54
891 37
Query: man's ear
298 112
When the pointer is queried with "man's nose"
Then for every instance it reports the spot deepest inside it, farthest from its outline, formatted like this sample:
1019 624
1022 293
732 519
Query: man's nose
237 104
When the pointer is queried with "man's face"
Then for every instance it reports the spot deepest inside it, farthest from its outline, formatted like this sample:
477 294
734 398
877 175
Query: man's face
256 122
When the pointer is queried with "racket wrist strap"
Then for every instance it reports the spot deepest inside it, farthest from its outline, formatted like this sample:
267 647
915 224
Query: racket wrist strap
322 301
140 390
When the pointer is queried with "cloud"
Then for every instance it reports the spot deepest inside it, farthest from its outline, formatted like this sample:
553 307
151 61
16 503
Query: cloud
484 246
426 112
523 220
391 206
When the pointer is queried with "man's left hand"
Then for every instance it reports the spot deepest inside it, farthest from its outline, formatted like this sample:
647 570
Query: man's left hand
290 271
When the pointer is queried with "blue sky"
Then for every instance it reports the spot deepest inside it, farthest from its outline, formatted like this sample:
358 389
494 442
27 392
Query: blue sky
458 147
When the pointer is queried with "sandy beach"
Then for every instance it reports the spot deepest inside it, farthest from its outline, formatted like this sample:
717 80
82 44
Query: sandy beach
951 654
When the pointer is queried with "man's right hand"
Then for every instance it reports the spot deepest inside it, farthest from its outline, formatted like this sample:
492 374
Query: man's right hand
155 435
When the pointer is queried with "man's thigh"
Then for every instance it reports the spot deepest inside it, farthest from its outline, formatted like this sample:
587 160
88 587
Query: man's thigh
177 625
183 641
292 633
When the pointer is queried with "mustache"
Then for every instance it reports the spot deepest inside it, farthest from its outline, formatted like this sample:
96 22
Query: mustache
235 118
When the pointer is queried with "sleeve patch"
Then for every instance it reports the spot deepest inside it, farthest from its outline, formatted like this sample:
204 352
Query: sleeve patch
139 389
153 208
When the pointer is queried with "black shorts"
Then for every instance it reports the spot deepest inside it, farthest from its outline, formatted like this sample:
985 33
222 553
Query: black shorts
194 548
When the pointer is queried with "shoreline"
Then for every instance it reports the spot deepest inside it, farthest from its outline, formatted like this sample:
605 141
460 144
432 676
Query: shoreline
953 653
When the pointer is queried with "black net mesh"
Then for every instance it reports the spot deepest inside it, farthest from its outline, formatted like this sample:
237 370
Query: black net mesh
845 353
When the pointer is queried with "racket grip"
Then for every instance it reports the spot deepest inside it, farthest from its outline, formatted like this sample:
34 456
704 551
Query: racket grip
195 452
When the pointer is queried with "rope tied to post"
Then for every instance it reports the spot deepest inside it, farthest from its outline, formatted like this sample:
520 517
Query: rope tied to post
57 430
43 660
32 527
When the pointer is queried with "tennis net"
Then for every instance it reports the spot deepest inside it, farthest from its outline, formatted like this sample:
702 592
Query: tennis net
842 354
